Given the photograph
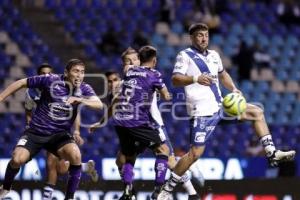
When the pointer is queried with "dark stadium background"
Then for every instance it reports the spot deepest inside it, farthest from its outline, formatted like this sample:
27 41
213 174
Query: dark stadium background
259 44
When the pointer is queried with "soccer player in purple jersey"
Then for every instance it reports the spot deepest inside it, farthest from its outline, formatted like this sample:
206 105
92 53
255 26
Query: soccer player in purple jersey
134 125
52 120
130 58
132 118
55 165
199 70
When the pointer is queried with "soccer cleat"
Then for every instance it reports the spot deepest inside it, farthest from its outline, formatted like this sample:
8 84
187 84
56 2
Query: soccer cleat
3 192
194 197
91 171
164 195
127 197
129 193
198 179
155 192
281 156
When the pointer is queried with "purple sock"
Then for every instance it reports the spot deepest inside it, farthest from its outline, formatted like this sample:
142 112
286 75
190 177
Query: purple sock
161 166
73 181
127 173
9 176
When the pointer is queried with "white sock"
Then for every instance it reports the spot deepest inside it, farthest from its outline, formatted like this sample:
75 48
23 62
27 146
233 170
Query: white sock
268 144
172 182
188 186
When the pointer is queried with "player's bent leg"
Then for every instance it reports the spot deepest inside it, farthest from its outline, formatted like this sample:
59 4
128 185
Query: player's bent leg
185 179
62 166
127 177
120 160
160 167
48 189
52 162
181 167
71 152
172 162
19 157
256 114
188 159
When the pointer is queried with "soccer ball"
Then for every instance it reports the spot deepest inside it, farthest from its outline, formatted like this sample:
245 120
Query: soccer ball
234 104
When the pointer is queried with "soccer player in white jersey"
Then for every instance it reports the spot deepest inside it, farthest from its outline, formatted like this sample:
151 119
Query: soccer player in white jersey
199 71
55 165
130 58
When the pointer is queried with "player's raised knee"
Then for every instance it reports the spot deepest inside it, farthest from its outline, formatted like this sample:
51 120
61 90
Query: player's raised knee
17 161
196 152
75 158
19 157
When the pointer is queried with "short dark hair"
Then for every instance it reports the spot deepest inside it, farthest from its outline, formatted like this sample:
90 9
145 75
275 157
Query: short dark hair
42 66
128 51
74 62
146 53
196 27
109 73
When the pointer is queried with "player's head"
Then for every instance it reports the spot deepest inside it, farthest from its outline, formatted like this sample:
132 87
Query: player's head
199 36
44 68
147 55
130 57
113 81
74 72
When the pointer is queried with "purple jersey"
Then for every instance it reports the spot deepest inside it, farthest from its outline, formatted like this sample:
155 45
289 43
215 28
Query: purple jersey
52 115
138 87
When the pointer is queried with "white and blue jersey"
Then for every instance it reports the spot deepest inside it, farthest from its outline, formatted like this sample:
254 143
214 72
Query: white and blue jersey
203 102
155 113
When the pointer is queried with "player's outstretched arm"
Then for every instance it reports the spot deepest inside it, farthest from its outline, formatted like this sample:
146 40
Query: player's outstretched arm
227 81
12 88
165 93
93 102
105 118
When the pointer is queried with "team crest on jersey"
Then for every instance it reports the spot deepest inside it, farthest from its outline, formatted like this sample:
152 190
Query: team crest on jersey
200 136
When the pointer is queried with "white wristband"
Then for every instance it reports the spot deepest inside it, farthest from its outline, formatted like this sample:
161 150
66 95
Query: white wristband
195 79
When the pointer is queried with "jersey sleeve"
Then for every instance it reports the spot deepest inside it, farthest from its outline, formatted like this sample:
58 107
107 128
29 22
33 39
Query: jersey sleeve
220 64
29 102
87 91
41 81
181 64
158 81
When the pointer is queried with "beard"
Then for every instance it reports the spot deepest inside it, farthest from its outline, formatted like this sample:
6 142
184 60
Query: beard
201 48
